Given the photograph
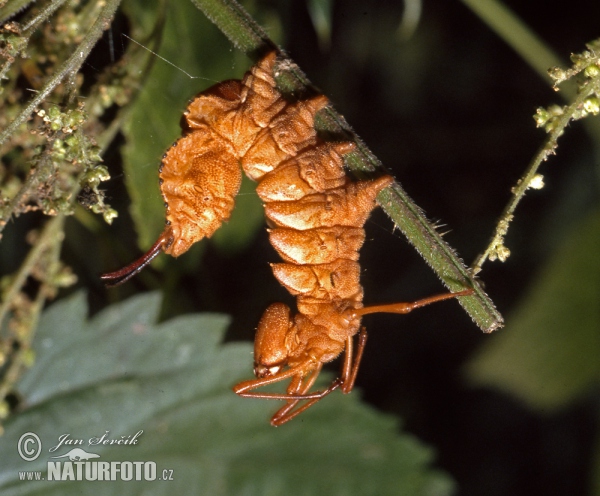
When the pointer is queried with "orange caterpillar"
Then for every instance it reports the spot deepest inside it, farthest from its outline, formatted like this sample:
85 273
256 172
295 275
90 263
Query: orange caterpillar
316 214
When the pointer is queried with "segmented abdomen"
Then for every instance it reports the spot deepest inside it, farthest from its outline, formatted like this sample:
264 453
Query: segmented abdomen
315 211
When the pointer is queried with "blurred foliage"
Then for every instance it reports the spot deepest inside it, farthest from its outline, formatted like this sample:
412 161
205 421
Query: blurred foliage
173 382
534 358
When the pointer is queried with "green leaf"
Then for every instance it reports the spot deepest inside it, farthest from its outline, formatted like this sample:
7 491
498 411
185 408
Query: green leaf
247 216
121 372
194 45
548 354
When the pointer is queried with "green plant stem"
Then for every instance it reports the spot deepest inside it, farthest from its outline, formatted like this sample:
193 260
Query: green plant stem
43 15
50 240
541 58
243 32
518 192
50 233
11 8
233 20
70 66
28 184
28 29
439 256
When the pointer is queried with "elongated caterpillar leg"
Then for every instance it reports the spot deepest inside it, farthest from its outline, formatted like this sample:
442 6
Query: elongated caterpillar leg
350 370
404 307
245 389
296 392
288 412
346 382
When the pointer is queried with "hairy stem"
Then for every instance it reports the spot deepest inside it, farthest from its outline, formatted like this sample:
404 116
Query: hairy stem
42 16
233 20
11 8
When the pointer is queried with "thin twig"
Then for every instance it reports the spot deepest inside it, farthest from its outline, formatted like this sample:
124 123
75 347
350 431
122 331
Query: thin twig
12 207
42 16
12 8
50 239
496 245
50 232
71 65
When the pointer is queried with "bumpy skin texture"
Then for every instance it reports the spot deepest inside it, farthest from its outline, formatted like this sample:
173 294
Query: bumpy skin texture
315 212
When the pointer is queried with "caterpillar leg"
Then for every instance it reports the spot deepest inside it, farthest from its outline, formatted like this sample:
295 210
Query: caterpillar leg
352 359
404 307
346 382
350 368
303 378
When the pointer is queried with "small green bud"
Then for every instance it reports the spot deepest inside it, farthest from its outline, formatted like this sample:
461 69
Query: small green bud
557 74
537 182
592 105
541 116
71 141
62 205
78 116
94 155
109 215
592 71
64 278
501 253
102 172
550 125
54 112
95 176
556 110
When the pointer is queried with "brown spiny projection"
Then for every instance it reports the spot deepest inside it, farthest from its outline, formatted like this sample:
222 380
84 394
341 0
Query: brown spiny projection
316 214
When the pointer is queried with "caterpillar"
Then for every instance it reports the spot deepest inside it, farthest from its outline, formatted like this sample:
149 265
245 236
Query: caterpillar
315 213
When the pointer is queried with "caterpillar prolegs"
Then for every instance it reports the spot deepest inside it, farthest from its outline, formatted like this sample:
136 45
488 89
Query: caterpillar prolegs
316 216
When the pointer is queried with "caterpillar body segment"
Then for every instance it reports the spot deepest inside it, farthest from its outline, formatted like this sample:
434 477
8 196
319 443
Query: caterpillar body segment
317 246
315 213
